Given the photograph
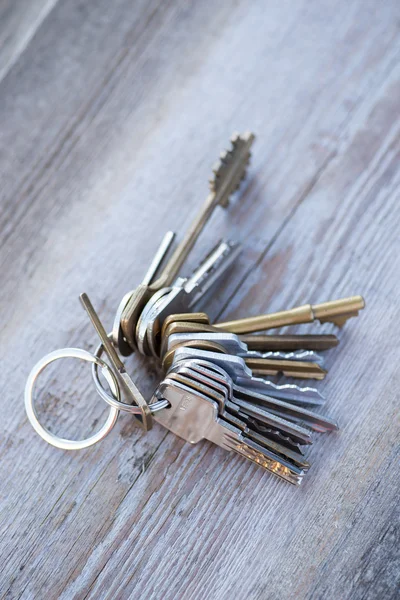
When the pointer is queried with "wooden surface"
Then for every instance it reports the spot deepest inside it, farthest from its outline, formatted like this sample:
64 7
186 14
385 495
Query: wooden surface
112 114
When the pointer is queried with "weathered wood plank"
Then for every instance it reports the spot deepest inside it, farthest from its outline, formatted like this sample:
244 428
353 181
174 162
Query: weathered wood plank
19 21
112 118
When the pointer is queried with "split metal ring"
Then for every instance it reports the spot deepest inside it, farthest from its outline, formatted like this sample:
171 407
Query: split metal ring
51 438
115 401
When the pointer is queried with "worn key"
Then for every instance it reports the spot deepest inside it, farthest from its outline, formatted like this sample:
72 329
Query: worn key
227 176
302 396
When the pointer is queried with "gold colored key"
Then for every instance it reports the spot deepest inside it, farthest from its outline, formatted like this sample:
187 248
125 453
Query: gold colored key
336 311
182 327
227 175
198 317
275 343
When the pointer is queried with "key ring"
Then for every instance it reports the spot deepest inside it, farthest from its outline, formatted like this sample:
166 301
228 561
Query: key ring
115 402
51 438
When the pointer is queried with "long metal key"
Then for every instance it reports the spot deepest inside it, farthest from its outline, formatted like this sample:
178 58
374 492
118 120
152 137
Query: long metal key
335 311
188 323
242 375
302 396
227 175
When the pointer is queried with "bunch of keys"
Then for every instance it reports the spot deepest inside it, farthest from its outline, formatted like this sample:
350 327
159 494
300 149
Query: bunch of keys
217 382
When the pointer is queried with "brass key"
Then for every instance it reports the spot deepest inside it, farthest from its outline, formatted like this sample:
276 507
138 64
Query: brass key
336 311
291 368
228 173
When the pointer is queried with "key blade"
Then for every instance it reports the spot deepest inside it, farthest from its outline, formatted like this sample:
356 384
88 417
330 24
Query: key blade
264 458
211 270
299 355
338 311
266 343
158 258
285 410
227 181
231 167
290 392
289 368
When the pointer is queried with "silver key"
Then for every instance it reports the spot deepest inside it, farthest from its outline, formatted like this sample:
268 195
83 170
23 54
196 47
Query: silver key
194 417
242 375
246 399
183 295
273 440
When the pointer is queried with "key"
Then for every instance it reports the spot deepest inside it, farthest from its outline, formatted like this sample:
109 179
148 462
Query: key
194 417
242 375
203 345
228 174
335 311
259 366
218 393
284 342
145 317
262 343
234 345
145 420
303 396
246 399
188 322
184 294
117 334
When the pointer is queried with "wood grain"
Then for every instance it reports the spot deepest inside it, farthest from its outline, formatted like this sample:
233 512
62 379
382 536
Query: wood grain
112 115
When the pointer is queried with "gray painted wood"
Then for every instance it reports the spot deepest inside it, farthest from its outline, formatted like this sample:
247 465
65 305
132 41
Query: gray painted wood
112 115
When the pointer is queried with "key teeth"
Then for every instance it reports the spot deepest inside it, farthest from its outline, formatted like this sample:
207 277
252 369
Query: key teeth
227 158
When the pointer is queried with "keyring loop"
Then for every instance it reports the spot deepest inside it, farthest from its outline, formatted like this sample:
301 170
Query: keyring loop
51 438
116 402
